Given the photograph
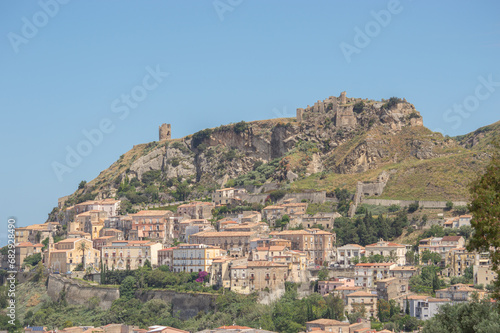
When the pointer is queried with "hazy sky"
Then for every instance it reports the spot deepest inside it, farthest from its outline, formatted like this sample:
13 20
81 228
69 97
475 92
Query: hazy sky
116 70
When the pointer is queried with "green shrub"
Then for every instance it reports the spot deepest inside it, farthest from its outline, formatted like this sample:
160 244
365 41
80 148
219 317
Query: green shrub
358 107
200 136
240 127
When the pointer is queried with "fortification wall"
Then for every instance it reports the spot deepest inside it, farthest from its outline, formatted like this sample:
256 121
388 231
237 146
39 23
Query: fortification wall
406 203
76 293
187 305
312 197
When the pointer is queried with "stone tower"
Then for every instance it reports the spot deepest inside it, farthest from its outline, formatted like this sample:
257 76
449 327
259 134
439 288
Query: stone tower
300 112
343 98
165 132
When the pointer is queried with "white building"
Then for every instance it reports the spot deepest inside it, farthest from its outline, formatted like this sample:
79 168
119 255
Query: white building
365 275
424 307
387 249
347 253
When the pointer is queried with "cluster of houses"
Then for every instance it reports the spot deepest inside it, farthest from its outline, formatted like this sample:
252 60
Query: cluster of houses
318 326
243 253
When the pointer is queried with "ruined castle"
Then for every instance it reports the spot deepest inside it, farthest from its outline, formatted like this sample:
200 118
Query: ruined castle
165 132
341 106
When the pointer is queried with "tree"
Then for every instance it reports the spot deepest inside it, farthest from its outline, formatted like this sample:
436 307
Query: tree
484 207
383 310
33 259
128 287
323 274
435 258
335 306
83 247
82 184
413 207
449 205
466 231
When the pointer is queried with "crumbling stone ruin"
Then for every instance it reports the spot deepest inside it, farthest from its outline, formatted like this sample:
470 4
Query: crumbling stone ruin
341 107
368 189
165 132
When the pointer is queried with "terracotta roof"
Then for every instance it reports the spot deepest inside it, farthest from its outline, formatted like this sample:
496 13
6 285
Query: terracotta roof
347 288
451 238
327 322
264 264
233 327
438 300
151 213
25 244
388 244
362 294
375 264
417 297
404 268
224 233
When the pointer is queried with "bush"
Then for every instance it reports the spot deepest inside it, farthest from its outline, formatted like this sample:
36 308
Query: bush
174 162
392 102
394 208
413 207
358 107
200 136
449 205
240 127
277 195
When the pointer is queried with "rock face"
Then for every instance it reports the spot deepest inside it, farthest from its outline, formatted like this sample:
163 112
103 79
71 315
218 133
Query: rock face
346 135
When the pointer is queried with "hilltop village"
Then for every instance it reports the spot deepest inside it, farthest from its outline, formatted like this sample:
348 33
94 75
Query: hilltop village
366 254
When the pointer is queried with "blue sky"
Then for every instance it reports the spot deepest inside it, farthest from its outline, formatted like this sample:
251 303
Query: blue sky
66 68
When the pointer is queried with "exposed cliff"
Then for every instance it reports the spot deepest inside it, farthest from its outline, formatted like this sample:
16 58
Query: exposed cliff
338 136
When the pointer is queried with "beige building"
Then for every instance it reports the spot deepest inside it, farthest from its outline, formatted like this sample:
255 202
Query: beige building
326 287
265 274
91 222
225 239
459 293
388 249
110 206
317 244
325 220
404 272
130 254
196 210
24 250
239 281
457 260
152 225
193 226
484 274
392 288
220 272
166 257
327 325
195 257
358 299
365 275
67 254
227 196
441 245
35 233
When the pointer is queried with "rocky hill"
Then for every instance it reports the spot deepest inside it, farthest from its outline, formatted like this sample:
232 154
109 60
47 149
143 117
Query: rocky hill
334 143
